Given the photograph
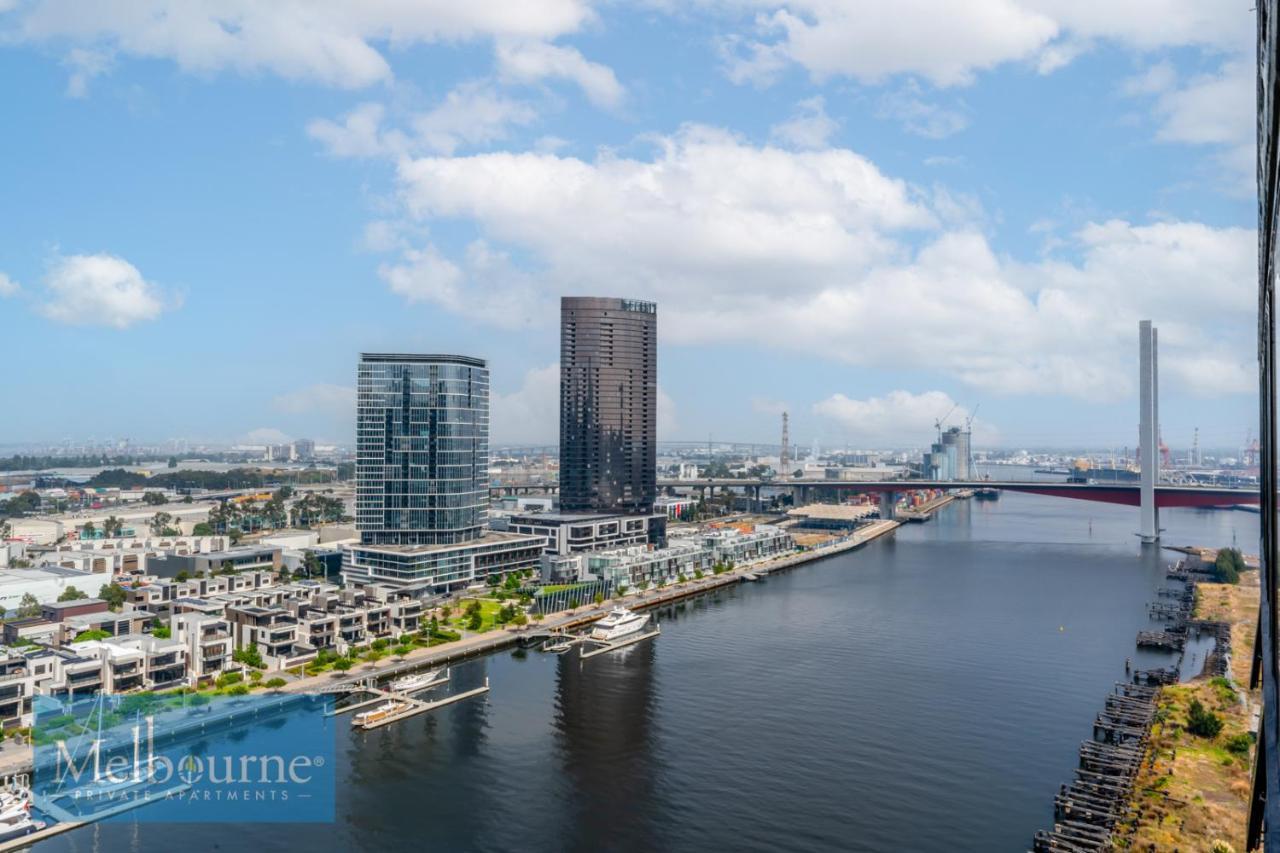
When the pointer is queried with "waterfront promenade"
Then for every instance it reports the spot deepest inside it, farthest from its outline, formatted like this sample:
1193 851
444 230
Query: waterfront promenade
569 620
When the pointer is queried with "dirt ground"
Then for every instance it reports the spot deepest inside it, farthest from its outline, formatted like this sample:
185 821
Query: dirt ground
1195 793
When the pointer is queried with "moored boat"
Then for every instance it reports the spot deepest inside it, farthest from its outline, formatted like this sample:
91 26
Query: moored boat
619 622
384 711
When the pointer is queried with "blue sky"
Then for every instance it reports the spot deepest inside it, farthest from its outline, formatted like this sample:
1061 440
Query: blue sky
861 212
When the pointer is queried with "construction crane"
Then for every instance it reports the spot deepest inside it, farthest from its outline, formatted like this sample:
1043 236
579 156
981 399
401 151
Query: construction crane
938 422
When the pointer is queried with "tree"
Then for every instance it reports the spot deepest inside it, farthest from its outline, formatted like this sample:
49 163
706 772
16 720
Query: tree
88 531
162 525
284 575
474 622
183 575
312 565
113 594
173 462
1202 722
202 528
29 606
72 594
112 527
154 499
598 598
1228 565
249 656
343 664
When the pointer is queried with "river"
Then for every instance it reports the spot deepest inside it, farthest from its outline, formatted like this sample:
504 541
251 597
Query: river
927 692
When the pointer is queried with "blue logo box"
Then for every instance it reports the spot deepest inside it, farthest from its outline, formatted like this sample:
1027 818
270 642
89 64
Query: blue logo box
185 758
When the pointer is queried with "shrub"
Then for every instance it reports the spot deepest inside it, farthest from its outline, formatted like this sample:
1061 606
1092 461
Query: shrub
276 683
1202 722
1239 744
238 690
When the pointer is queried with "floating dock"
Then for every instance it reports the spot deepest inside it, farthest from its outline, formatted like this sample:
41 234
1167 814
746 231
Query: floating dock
417 706
414 706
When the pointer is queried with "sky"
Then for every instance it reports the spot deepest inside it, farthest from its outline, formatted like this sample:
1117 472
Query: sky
871 214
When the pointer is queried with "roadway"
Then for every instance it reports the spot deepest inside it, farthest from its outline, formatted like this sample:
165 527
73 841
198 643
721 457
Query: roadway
1116 493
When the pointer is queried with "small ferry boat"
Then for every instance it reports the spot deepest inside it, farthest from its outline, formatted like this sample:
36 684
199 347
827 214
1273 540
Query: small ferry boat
619 622
557 648
750 576
415 681
387 709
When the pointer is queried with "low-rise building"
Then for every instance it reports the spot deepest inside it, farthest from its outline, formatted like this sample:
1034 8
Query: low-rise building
239 559
438 569
576 533
45 584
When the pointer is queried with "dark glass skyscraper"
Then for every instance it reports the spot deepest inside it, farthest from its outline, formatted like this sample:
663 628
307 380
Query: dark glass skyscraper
422 449
608 404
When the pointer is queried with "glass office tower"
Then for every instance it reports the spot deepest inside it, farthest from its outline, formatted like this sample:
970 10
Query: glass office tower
422 449
608 404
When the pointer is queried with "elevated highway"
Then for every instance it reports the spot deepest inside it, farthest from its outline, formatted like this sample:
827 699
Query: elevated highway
1115 493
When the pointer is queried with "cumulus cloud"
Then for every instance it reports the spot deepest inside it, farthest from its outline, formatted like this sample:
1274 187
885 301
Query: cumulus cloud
948 43
485 285
533 61
809 127
821 252
898 418
332 42
322 398
100 290
1215 109
8 287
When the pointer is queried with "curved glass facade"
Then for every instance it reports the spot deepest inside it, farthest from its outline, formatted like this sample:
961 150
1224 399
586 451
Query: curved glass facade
608 404
422 449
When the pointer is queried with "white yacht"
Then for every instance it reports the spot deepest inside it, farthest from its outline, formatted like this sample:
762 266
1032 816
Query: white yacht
618 623
368 719
16 820
415 681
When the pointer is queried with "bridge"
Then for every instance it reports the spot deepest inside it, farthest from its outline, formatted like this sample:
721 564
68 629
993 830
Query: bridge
1115 493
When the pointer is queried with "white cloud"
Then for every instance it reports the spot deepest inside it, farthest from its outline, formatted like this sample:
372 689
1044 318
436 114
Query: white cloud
533 61
921 117
668 421
943 41
531 413
100 290
358 135
85 65
1208 109
809 127
332 42
820 252
472 114
485 286
898 418
324 399
947 42
266 435
8 287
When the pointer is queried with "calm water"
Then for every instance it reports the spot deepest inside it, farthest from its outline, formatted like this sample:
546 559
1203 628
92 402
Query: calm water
925 693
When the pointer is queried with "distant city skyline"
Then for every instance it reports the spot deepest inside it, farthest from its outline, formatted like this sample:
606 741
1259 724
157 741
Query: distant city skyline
955 210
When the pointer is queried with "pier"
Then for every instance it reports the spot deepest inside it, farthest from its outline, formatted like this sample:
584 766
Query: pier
415 706
1087 810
